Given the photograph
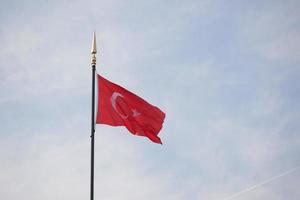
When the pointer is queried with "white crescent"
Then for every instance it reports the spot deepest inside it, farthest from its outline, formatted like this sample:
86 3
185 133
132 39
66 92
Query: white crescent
113 99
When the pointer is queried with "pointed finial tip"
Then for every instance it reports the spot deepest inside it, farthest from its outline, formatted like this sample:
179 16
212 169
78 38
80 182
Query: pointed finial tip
94 50
94 46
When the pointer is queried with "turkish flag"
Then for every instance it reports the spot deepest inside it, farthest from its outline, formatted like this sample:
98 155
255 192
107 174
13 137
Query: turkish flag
119 107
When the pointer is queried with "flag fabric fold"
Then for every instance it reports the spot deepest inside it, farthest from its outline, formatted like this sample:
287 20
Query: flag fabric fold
120 107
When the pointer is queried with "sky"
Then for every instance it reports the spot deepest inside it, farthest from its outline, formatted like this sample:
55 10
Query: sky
226 73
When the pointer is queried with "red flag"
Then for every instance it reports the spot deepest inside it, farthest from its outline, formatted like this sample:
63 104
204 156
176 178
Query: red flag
119 107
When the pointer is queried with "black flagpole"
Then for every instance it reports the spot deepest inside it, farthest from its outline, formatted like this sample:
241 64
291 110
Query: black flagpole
94 51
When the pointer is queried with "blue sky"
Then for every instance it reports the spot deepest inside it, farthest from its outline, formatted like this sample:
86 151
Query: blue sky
226 74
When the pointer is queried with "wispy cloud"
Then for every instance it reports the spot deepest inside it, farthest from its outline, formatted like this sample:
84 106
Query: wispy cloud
225 73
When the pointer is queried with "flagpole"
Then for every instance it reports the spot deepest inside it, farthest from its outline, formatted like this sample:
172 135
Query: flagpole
93 63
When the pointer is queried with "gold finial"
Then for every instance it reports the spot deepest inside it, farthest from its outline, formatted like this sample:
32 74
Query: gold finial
94 49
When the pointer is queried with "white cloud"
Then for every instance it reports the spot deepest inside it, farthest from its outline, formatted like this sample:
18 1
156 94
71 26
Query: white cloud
225 126
271 32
